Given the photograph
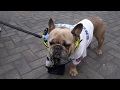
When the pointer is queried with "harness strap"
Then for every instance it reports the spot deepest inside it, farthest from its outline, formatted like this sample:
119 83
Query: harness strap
77 44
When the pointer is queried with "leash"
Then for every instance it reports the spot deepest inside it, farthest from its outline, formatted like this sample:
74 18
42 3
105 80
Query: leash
20 29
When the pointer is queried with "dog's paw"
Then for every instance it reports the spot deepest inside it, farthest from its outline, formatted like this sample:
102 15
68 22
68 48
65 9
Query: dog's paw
99 52
73 72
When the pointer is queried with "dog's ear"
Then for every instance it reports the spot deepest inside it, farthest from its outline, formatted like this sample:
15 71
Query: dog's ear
51 25
77 30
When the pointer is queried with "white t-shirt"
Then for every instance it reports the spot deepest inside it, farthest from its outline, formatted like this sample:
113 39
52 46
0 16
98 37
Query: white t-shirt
86 37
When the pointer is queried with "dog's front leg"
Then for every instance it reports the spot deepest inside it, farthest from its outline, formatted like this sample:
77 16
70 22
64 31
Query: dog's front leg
73 70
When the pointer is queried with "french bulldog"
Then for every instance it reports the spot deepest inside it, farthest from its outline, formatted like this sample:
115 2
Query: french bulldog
63 37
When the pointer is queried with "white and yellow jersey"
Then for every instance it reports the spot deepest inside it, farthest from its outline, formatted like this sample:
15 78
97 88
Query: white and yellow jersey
86 36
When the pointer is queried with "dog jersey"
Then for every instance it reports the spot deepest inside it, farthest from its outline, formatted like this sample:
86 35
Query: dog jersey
86 37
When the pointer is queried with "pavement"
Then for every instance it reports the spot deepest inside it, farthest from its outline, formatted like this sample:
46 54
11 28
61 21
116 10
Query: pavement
23 56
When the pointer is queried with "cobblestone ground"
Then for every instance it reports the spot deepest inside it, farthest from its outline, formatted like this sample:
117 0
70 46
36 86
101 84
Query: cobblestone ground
23 56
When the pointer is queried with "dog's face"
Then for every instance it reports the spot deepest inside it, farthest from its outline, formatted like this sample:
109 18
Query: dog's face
61 42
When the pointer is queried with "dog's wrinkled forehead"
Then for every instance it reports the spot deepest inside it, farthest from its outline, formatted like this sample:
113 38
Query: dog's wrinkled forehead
59 34
54 33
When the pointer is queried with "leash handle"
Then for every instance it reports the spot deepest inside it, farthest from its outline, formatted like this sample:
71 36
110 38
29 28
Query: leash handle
20 29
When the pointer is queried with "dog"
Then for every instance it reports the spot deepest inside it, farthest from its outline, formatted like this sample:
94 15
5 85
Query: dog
71 41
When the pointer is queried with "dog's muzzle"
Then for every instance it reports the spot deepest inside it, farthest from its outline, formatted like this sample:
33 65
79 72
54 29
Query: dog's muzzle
57 51
56 54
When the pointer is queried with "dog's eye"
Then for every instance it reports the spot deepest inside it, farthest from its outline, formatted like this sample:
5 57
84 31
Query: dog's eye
51 43
66 45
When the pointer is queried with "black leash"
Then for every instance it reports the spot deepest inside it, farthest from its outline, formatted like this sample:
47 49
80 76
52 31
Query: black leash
20 29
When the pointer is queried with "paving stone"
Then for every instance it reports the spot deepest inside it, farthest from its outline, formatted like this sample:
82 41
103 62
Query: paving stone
25 27
3 52
6 68
115 41
22 66
47 76
105 57
10 30
37 41
115 75
29 24
5 39
105 48
93 45
38 63
12 74
2 76
35 73
91 62
16 38
35 47
107 69
32 20
39 29
1 45
108 39
89 72
113 46
118 39
13 23
28 41
92 53
29 55
21 33
3 31
117 33
115 28
116 61
17 50
114 53
9 45
110 35
19 44
5 27
8 34
11 58
42 53
27 37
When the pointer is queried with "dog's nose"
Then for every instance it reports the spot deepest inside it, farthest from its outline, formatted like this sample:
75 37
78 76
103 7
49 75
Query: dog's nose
57 50
57 47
